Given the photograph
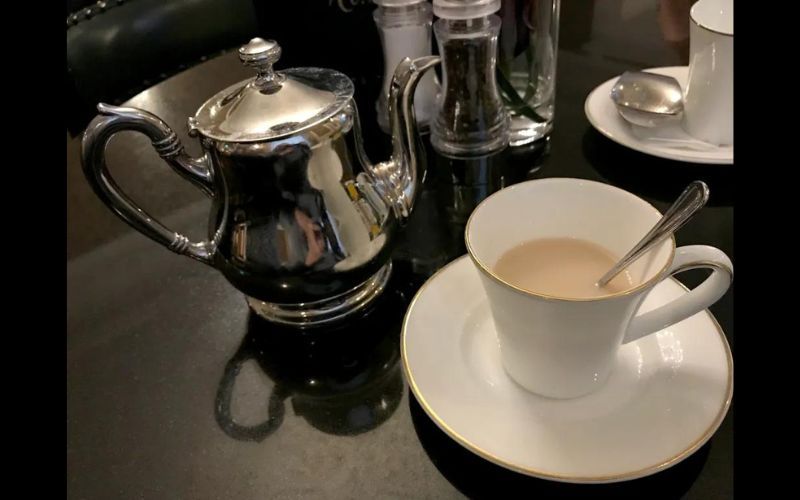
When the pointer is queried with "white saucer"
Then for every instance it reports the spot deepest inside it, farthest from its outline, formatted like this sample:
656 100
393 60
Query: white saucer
603 116
667 395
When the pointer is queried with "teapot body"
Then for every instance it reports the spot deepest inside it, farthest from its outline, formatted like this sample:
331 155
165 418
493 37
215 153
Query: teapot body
301 221
298 220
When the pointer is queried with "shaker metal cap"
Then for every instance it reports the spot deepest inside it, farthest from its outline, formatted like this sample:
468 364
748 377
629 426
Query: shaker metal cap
273 104
464 9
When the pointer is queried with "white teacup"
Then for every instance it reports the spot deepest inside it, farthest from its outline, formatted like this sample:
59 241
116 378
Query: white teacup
708 101
563 347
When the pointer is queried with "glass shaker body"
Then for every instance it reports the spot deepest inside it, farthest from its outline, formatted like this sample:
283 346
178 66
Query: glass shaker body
405 31
471 119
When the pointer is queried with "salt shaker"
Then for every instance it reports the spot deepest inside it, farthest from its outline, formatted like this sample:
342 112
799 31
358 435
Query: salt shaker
405 30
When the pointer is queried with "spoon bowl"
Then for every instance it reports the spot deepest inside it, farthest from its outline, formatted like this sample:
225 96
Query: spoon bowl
648 99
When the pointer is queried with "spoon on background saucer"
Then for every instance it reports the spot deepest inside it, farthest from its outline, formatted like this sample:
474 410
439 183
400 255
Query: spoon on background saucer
650 101
693 198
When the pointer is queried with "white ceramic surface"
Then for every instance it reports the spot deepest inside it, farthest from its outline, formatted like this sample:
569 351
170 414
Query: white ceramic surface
666 396
562 347
603 116
708 100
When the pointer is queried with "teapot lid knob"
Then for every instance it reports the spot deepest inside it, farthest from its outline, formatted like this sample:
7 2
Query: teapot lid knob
262 54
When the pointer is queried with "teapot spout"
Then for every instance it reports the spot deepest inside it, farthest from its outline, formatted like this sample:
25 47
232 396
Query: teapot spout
400 176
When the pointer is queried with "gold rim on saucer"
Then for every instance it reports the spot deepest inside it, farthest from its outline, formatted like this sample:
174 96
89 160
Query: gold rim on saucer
689 450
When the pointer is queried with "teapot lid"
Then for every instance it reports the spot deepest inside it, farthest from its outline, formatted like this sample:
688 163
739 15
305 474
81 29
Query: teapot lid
273 104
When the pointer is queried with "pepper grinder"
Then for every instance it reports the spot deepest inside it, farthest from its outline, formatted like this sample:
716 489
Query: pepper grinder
471 119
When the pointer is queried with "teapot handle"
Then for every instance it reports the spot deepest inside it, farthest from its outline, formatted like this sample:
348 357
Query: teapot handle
113 119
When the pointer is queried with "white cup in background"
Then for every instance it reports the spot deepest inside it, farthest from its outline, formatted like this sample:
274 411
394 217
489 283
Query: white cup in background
708 100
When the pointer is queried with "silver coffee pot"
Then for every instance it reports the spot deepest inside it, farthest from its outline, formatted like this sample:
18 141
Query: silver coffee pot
301 221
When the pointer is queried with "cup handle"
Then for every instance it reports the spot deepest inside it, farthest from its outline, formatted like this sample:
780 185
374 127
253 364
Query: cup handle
702 296
113 119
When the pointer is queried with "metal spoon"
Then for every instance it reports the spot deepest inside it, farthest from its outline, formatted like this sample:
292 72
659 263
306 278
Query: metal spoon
693 198
648 99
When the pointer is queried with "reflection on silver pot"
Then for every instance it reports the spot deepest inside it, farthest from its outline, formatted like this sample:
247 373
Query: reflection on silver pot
301 221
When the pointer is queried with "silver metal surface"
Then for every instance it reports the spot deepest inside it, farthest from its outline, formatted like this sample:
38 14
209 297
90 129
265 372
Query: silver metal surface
262 54
399 177
114 119
302 224
693 198
647 99
327 310
273 104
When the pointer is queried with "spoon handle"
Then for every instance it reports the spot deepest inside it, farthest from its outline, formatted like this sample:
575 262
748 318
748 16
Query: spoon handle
693 198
